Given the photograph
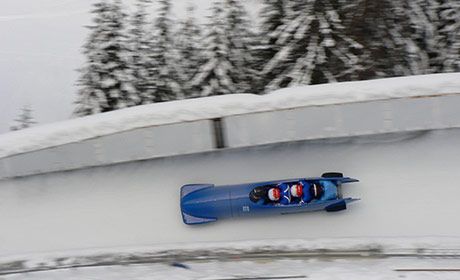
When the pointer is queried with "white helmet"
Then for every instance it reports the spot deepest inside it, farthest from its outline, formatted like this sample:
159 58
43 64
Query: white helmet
296 190
274 194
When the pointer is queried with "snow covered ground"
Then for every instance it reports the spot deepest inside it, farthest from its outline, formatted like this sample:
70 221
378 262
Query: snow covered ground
312 268
331 250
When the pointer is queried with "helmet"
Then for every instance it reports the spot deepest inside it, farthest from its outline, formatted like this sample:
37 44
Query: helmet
274 194
296 190
316 190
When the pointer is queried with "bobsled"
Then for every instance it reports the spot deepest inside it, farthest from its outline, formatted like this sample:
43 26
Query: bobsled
205 203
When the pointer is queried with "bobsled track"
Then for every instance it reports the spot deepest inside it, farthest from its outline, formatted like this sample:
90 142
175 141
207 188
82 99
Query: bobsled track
409 186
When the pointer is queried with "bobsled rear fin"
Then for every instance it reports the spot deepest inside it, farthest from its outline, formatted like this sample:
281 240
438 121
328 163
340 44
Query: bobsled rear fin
186 189
337 206
348 180
343 180
340 204
192 220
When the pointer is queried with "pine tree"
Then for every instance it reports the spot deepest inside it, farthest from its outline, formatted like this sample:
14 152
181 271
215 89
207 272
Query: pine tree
449 31
140 51
272 17
384 29
163 71
240 39
423 34
435 28
314 46
24 120
106 80
189 47
406 37
214 76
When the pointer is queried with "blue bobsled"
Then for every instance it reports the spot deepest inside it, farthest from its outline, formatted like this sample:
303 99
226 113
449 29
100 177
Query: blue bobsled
204 203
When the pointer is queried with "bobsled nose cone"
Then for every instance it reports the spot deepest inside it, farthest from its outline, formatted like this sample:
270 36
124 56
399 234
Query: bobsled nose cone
190 206
207 203
197 205
197 212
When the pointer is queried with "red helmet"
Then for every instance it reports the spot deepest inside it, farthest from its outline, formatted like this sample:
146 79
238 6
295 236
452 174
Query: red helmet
296 190
274 194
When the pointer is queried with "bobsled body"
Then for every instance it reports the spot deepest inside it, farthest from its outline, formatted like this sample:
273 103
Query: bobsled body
203 203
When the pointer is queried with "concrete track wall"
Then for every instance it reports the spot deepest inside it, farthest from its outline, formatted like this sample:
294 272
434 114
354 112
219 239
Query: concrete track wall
246 130
344 120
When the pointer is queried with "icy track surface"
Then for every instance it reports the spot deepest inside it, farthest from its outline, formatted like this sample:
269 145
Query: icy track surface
409 187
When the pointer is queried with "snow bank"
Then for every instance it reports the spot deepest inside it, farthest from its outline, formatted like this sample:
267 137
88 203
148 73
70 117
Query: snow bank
242 269
266 249
75 130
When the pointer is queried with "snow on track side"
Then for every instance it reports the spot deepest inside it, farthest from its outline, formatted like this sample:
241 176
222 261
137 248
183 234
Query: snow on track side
79 129
408 186
276 269
361 249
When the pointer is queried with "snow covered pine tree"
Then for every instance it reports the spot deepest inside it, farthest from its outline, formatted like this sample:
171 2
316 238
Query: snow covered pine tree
189 48
163 70
139 53
384 29
106 80
449 30
227 66
272 17
24 120
432 40
213 76
314 46
241 40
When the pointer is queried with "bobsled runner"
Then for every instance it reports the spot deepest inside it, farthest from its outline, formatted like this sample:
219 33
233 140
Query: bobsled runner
204 203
